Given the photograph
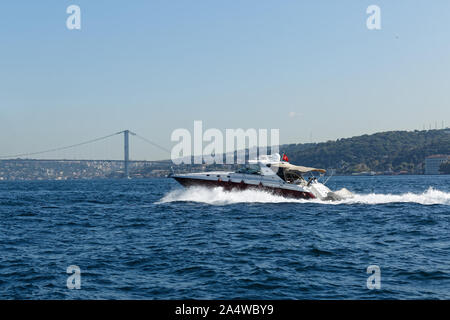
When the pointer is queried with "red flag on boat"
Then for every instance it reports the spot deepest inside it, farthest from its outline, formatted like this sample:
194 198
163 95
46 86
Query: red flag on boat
285 158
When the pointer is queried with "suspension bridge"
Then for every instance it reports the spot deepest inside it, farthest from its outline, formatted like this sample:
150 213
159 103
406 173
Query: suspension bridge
30 156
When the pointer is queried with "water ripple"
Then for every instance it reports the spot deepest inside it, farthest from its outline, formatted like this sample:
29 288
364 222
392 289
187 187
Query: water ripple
152 239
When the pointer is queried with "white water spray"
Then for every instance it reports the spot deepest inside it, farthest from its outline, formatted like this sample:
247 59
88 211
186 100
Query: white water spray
218 196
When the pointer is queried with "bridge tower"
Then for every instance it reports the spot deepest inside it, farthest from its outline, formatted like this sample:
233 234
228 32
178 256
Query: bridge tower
126 135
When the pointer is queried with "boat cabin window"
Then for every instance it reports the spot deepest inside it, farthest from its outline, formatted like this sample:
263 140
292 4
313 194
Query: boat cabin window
293 177
290 176
250 169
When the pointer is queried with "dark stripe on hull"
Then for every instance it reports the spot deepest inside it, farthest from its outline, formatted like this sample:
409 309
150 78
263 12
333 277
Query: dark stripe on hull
228 185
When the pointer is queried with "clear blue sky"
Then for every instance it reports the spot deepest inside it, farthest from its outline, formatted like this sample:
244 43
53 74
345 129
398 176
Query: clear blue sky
154 66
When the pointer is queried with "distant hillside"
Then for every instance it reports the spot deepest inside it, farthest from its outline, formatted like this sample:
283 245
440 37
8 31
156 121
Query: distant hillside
379 152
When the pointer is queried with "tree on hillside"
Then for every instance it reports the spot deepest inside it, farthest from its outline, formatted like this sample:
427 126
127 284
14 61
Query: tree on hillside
384 151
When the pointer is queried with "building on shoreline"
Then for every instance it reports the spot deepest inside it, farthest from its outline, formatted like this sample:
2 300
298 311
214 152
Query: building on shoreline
433 163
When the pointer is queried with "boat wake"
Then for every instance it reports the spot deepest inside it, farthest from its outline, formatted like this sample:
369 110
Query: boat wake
218 196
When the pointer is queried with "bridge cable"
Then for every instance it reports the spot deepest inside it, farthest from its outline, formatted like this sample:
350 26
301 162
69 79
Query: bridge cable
152 143
60 148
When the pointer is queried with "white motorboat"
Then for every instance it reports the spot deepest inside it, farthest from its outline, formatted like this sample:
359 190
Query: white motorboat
270 174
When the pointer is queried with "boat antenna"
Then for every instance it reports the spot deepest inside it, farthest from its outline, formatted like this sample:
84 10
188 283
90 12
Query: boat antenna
332 173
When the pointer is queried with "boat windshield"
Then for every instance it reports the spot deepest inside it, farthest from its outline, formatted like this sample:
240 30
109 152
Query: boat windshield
250 169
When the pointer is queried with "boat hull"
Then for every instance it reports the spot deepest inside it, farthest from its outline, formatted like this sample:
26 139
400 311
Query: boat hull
230 185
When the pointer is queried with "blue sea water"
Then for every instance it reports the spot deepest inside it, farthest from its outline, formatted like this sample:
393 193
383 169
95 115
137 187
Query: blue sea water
152 239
